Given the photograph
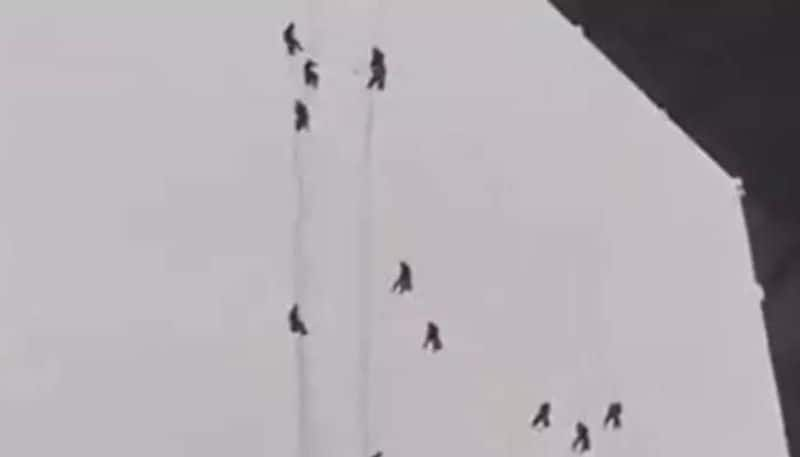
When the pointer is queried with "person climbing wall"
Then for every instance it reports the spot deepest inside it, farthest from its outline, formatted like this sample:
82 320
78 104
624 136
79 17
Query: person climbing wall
310 75
378 68
432 338
292 44
296 324
613 416
542 418
403 282
581 442
301 117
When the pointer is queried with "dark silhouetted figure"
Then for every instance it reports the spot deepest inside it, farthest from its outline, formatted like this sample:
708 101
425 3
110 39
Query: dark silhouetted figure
613 416
378 67
581 442
542 418
432 338
301 118
296 325
310 74
378 59
403 282
378 454
292 45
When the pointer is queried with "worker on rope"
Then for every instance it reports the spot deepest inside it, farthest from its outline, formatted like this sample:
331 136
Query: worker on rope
432 338
542 418
310 75
296 325
613 416
301 116
378 67
292 45
403 282
581 442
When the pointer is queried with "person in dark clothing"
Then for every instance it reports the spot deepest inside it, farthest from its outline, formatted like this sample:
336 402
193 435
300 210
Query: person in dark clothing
403 282
378 454
581 442
378 67
432 338
292 45
613 416
378 58
301 117
296 325
310 75
542 418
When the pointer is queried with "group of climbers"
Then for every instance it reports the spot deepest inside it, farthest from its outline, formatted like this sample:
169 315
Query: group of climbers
581 443
403 284
302 117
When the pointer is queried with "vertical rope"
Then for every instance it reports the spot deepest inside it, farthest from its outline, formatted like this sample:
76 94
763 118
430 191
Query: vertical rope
301 262
366 227
366 237
299 281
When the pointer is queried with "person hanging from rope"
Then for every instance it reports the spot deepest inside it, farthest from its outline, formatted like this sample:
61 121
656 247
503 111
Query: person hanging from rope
310 75
581 442
296 324
301 116
613 416
292 45
403 282
378 67
432 338
542 418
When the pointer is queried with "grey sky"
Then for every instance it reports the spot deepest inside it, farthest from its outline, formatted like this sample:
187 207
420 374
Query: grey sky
573 245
